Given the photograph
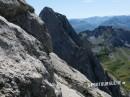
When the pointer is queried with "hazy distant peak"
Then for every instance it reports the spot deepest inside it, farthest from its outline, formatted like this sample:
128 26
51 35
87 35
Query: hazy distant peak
91 23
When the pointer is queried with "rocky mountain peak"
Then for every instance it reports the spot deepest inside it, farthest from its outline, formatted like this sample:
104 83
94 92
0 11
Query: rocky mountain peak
60 21
45 57
48 10
68 46
112 36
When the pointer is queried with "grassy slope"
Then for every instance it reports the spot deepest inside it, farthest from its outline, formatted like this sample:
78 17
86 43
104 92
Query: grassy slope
118 64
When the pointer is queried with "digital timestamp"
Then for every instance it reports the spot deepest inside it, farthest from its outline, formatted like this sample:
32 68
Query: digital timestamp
104 84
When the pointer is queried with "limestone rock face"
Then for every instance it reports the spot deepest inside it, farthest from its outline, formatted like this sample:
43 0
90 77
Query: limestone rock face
69 47
72 82
10 8
27 66
64 45
22 14
31 23
25 69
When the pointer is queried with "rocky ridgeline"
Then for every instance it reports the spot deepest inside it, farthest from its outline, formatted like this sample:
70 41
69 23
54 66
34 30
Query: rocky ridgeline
28 66
68 46
107 35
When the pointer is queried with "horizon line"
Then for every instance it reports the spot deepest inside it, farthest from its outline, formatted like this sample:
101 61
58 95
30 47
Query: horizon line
99 16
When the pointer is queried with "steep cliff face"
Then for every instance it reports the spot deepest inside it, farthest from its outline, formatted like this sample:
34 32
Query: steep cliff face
34 26
72 82
27 68
24 66
22 14
70 48
66 42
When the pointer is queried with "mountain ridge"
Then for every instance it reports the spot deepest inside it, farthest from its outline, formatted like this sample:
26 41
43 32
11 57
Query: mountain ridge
112 46
93 22
39 58
77 56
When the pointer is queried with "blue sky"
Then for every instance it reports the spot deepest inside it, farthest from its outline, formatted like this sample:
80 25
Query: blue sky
84 8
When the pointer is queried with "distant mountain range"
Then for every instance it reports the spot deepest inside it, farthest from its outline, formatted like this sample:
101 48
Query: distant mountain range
112 47
93 22
108 36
